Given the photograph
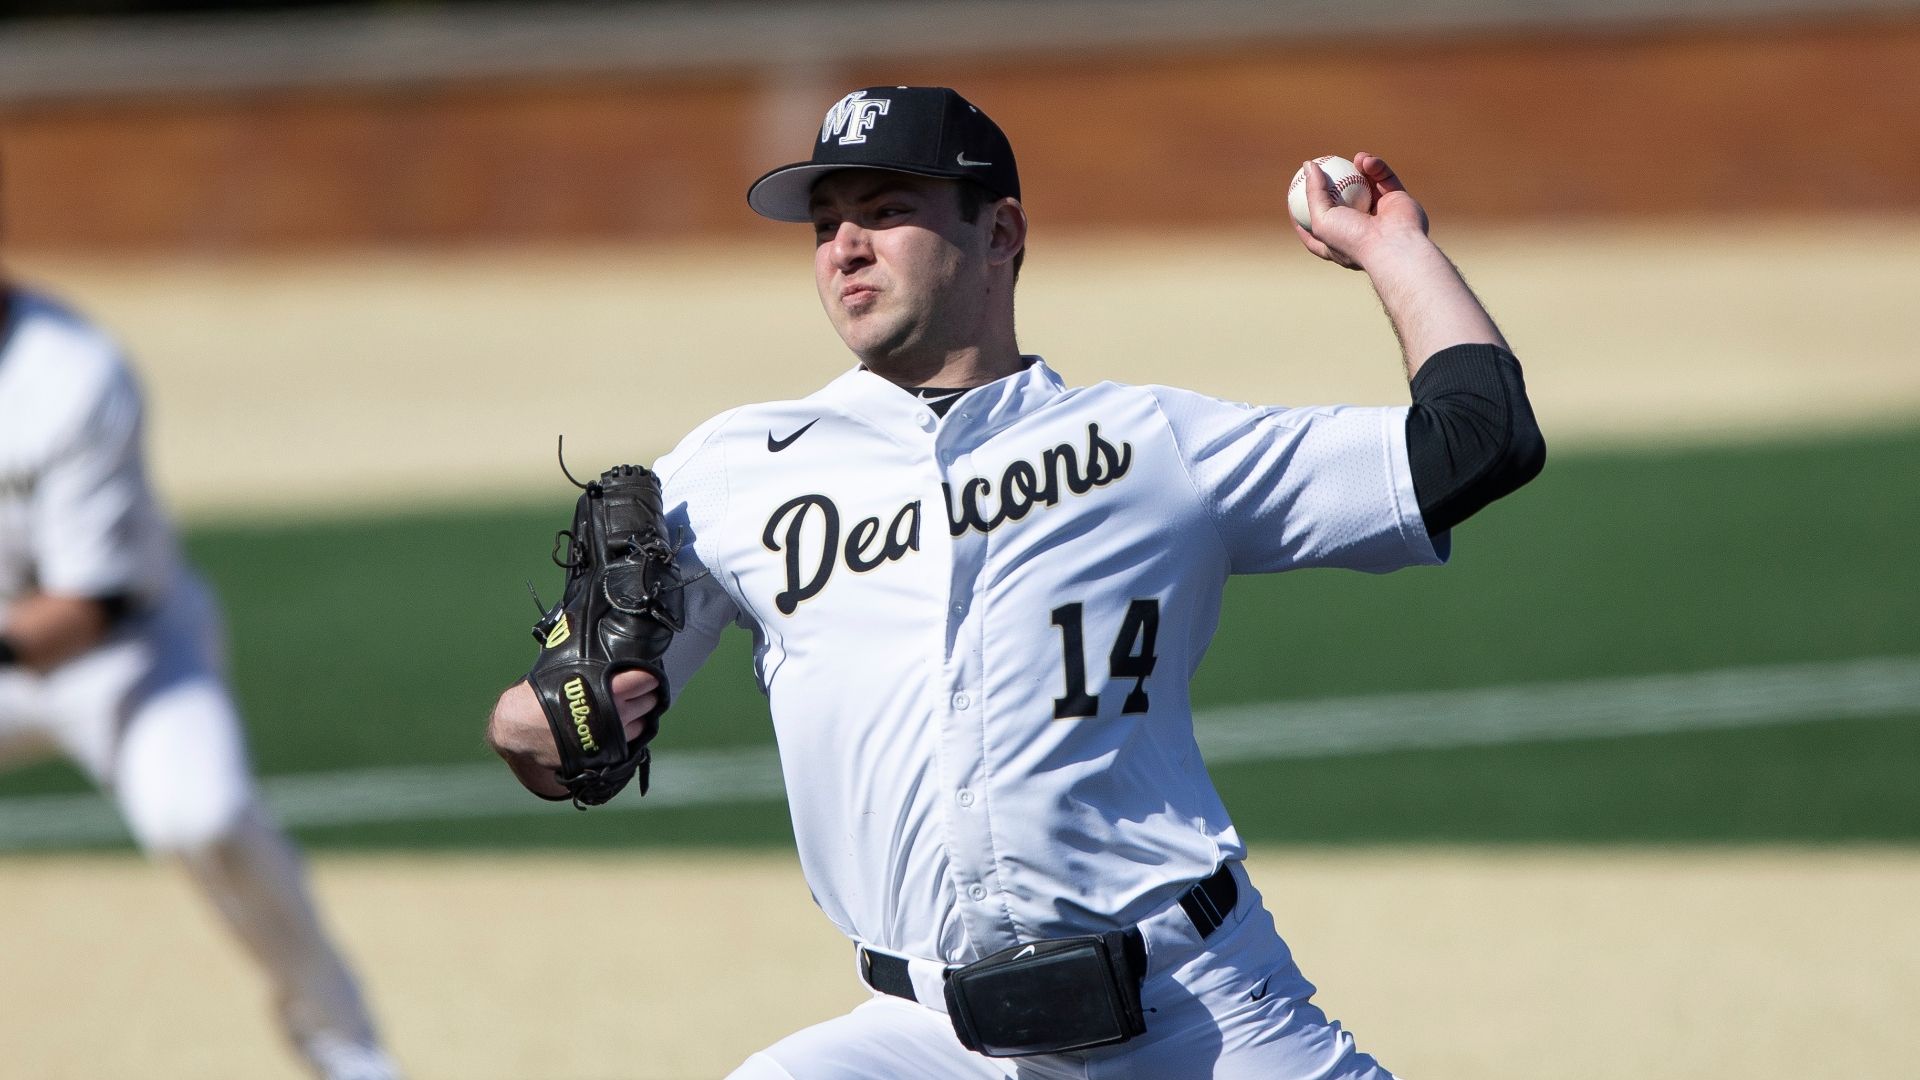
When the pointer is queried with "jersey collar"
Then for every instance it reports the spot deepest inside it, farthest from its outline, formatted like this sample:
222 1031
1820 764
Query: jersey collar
983 409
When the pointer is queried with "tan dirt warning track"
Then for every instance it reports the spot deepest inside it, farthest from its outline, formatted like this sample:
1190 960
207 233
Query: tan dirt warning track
370 379
1514 965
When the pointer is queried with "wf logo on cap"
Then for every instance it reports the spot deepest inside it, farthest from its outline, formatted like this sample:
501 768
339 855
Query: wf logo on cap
852 117
918 130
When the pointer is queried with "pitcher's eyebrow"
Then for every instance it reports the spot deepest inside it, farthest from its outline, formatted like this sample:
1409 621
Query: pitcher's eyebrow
885 185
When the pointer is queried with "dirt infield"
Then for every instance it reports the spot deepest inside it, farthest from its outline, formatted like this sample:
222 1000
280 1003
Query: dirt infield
348 381
1499 966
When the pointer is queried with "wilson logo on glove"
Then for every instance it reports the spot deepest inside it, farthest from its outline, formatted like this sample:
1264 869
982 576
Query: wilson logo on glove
622 607
582 712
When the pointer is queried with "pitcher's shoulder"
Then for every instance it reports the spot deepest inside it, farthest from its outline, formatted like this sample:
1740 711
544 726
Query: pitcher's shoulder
741 427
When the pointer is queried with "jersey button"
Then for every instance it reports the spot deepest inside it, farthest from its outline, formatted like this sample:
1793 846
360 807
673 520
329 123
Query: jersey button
926 421
965 797
960 701
978 892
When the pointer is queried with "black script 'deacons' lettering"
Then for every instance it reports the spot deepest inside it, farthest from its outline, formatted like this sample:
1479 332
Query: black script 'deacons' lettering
866 548
806 529
1025 485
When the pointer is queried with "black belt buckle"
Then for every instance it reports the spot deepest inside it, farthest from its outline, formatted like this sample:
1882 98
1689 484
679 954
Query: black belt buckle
1049 997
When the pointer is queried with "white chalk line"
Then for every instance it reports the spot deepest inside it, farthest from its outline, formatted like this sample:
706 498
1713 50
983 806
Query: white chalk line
1540 712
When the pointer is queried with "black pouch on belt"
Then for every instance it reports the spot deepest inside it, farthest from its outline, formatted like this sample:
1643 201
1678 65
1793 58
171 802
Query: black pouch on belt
1050 996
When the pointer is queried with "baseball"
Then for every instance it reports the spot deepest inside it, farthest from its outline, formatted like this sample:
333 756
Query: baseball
1347 182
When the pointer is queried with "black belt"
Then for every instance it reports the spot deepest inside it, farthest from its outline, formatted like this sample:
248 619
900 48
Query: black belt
1207 904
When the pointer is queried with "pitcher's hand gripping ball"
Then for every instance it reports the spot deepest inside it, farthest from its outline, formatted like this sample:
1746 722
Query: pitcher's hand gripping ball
1349 188
622 607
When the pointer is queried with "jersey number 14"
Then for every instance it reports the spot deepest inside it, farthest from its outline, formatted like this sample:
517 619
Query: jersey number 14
1132 658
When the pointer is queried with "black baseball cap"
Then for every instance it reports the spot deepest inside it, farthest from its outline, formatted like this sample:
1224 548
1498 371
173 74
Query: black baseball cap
923 130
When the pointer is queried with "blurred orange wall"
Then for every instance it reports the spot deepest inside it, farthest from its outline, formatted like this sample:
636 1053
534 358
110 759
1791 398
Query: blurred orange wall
1776 118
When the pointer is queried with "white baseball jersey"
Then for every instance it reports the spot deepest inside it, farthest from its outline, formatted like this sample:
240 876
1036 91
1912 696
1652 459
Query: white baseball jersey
76 514
976 632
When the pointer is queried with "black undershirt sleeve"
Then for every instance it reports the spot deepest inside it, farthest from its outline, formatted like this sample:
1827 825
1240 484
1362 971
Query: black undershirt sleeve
1471 436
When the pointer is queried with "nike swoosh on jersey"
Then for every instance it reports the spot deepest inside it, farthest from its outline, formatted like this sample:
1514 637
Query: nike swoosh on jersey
1261 990
774 445
961 159
1024 953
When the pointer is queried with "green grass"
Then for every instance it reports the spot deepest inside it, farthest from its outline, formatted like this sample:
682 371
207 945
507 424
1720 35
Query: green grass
1815 783
383 641
1610 564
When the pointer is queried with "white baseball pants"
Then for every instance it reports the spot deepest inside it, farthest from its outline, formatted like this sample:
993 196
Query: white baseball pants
1234 1007
148 717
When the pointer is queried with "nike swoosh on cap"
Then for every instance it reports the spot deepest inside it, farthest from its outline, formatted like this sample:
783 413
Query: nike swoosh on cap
961 159
774 445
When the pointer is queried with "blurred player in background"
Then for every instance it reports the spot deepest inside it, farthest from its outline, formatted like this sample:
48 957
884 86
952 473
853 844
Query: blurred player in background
111 653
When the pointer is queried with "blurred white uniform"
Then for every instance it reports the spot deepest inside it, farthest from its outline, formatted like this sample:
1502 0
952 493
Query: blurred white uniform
147 713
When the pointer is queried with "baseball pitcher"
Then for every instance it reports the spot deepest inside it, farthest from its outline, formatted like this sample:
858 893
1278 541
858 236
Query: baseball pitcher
977 594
